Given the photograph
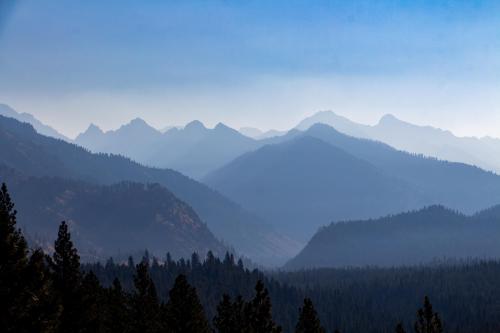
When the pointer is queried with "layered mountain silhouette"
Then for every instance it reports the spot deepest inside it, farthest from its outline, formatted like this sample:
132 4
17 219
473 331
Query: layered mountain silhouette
35 155
40 127
322 175
109 220
418 237
430 141
193 150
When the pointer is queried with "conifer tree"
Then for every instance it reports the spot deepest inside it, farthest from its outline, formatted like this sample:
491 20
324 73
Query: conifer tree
13 262
145 307
116 317
67 277
92 301
41 310
184 312
428 321
258 311
308 319
230 316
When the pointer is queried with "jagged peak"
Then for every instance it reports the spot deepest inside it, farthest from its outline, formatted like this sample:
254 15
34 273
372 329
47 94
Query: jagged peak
137 122
93 128
195 125
389 118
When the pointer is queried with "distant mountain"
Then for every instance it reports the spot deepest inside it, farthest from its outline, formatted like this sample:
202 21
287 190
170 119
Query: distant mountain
251 132
132 140
193 150
305 183
426 140
109 220
41 128
417 237
258 134
340 123
301 184
455 185
35 155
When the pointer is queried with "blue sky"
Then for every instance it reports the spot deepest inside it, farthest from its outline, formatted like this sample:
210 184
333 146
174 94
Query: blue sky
259 63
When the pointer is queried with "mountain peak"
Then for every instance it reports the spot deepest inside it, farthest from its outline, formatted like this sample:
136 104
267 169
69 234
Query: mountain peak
223 127
137 123
195 125
94 129
389 119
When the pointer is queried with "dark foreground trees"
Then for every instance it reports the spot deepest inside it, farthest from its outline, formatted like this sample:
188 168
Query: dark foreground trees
308 319
52 294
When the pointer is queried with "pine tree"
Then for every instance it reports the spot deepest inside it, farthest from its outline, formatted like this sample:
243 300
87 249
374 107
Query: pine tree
67 277
13 262
184 312
428 321
230 315
145 307
258 311
92 301
40 309
308 319
116 316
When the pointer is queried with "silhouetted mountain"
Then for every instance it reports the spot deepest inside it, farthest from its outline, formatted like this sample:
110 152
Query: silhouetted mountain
426 140
132 140
214 149
35 155
341 124
300 188
112 219
405 239
455 185
193 150
40 127
305 183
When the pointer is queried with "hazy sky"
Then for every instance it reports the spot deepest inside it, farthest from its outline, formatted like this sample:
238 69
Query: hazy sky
252 63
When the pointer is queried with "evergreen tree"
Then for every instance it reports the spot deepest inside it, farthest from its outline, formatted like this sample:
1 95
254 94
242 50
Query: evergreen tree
67 277
258 311
92 301
428 321
13 262
145 305
40 308
230 316
184 312
116 317
308 319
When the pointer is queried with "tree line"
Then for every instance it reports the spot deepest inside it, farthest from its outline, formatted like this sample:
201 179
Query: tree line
56 293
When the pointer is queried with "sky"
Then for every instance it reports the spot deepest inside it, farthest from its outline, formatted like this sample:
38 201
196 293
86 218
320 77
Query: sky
265 64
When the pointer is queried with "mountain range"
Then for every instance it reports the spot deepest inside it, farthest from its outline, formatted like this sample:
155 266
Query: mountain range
182 148
32 154
265 194
193 150
427 140
40 127
419 237
321 175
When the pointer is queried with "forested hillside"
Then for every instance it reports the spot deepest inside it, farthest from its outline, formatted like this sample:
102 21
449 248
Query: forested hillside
108 220
32 154
54 293
404 239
